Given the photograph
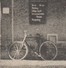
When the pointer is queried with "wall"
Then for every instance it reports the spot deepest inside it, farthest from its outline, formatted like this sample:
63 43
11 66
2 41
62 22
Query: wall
0 29
6 27
56 19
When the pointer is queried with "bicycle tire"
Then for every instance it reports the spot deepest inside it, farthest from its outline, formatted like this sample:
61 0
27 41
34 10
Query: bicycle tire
48 50
13 51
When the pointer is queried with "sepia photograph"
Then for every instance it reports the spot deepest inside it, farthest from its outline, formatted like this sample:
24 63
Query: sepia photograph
32 33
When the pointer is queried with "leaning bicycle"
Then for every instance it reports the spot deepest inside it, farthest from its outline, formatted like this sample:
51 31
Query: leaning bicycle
19 50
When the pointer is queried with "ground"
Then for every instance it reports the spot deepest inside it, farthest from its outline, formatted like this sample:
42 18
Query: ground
32 64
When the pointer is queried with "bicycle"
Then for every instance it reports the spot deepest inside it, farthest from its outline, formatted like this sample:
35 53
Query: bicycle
19 50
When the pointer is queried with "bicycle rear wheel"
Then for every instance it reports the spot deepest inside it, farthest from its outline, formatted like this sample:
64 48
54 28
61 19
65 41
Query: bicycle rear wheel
48 50
15 53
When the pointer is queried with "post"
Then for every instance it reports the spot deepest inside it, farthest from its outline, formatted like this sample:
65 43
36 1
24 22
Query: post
12 21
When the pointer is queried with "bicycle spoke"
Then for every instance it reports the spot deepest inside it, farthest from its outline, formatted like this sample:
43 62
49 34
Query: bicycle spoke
14 55
17 47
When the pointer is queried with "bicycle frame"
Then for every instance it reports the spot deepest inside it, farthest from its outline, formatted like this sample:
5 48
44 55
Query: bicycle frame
24 40
25 36
35 52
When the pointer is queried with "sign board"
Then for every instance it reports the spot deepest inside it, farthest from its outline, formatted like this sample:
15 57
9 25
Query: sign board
6 10
37 12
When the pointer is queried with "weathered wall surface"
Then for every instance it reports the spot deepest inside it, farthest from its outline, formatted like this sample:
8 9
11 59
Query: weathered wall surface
56 19
6 27
0 18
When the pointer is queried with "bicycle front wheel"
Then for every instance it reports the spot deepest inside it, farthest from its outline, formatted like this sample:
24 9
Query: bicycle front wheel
15 53
48 50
